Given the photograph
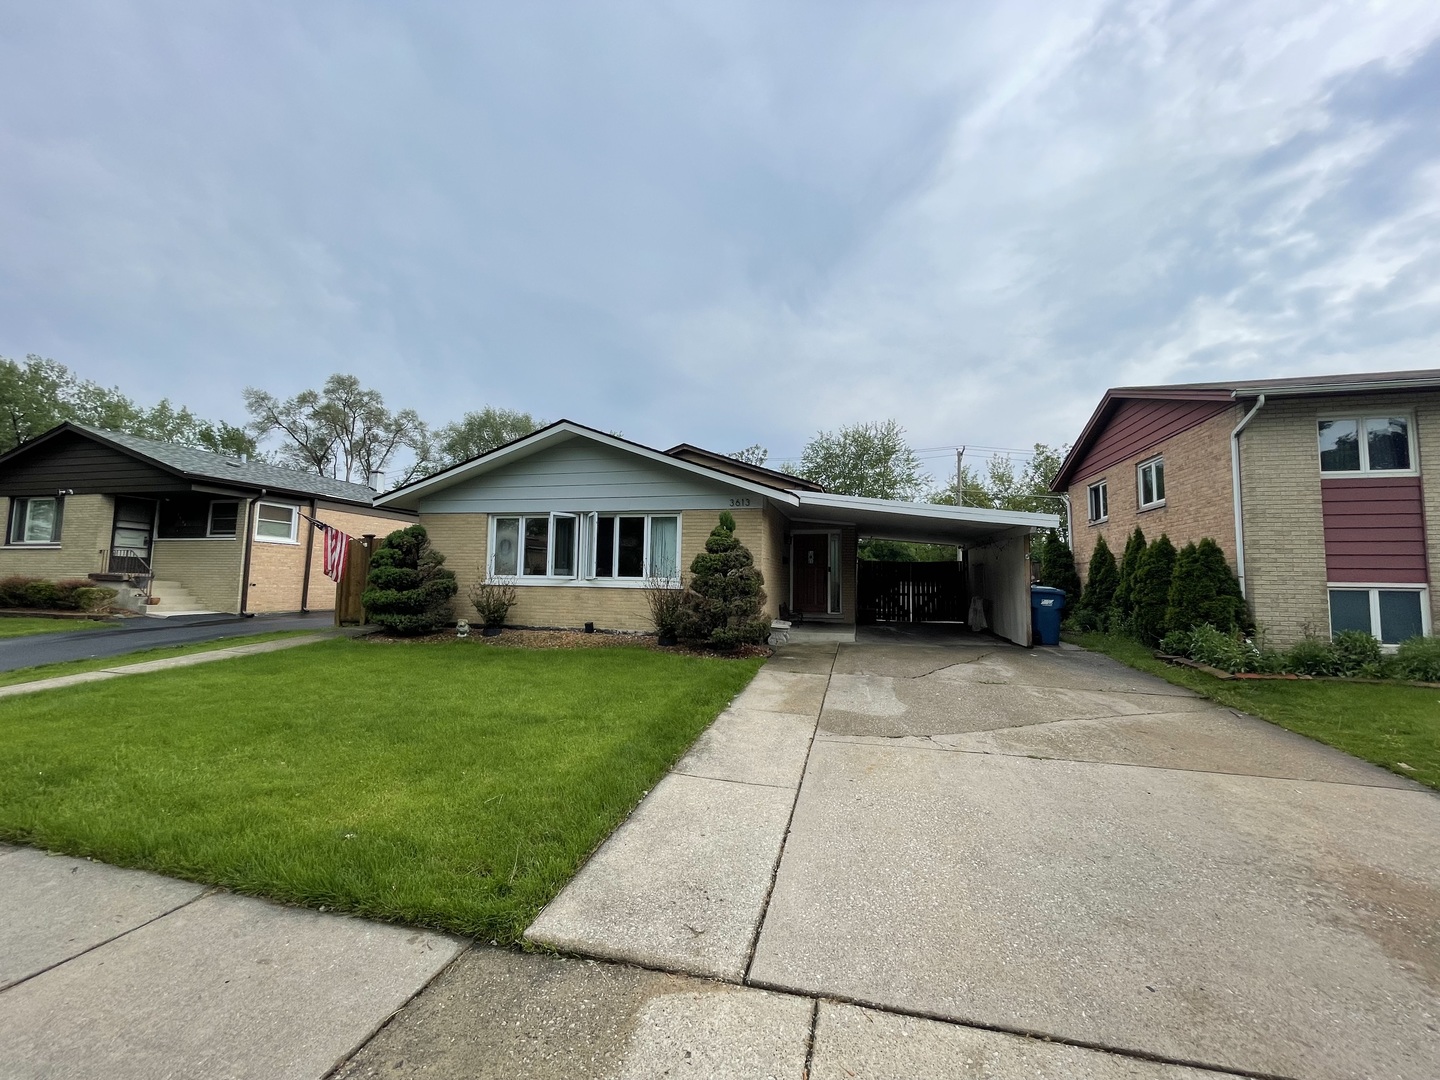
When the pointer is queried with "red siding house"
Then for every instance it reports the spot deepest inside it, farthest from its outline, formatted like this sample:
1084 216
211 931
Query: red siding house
1324 492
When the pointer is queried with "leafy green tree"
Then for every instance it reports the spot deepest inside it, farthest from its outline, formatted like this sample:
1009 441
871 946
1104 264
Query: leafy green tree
1002 485
1203 590
723 607
905 551
40 393
871 460
1101 579
341 430
1150 591
1057 568
478 433
754 454
1129 563
408 590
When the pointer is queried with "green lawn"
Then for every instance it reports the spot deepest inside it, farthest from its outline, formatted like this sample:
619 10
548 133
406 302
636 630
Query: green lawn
1391 725
73 667
25 625
440 784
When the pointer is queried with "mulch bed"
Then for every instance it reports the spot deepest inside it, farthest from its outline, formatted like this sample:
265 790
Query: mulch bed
570 639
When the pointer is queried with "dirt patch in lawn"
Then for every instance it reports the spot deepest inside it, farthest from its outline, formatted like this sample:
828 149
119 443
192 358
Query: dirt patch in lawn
570 639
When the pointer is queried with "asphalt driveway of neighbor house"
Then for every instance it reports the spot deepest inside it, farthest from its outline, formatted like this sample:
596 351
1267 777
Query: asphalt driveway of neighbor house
144 632
946 840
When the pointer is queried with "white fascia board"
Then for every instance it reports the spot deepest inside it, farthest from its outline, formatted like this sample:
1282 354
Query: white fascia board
975 515
561 432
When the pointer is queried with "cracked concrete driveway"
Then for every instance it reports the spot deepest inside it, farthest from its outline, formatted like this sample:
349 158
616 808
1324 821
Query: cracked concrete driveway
1038 842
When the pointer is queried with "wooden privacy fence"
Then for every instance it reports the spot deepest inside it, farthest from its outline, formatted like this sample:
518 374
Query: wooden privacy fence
348 609
911 592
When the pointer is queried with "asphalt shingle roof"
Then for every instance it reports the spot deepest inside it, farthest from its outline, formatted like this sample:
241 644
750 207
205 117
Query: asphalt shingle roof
226 469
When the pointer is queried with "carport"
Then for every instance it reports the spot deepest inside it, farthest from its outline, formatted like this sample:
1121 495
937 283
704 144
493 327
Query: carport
994 547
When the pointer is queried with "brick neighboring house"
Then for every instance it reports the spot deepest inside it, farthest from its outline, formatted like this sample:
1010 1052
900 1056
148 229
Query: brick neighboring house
174 529
1338 527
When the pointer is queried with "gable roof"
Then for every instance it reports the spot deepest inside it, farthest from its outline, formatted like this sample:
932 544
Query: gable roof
733 465
408 497
194 464
1235 390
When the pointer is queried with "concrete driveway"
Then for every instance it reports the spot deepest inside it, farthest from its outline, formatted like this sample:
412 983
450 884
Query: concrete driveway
963 835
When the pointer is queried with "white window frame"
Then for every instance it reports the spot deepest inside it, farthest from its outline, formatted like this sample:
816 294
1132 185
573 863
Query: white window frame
1375 588
18 537
210 533
586 535
1408 415
1140 469
1102 488
294 537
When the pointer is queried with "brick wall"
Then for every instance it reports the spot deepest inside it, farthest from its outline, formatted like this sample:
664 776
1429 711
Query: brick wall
1198 497
462 539
1284 524
209 569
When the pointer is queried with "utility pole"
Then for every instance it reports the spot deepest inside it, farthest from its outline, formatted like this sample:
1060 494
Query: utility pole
959 476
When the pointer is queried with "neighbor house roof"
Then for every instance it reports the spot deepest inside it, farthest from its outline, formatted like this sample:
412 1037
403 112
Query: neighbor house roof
189 462
1235 390
736 467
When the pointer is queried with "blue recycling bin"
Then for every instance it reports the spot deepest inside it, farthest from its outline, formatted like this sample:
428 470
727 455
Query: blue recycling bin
1046 604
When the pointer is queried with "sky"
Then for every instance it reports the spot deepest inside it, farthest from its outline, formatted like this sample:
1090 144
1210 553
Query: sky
726 223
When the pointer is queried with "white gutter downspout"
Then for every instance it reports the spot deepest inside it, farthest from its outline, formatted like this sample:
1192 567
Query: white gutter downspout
1235 487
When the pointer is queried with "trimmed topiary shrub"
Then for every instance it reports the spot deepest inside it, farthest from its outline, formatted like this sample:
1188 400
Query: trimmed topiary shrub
1150 591
1418 658
723 605
1102 577
408 590
1129 563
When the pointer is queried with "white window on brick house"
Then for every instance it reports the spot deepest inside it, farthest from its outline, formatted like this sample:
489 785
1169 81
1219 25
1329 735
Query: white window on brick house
1150 480
1367 444
1099 502
1389 613
276 523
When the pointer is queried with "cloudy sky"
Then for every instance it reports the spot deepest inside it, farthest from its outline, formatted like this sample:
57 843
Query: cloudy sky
724 223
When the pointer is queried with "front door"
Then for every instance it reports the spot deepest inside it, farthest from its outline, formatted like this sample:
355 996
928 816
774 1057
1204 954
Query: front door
810 572
130 540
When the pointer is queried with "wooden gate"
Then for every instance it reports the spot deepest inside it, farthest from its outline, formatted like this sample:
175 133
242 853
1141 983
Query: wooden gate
348 609
911 592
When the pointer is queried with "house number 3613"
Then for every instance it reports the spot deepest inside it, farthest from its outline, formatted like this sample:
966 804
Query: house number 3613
739 502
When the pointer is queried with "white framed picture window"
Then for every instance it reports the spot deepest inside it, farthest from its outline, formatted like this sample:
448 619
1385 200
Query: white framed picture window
277 523
594 548
1389 613
1367 445
1150 482
1099 500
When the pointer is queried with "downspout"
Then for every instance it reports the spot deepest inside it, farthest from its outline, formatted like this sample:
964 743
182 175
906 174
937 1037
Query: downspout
1235 489
309 551
1069 522
249 540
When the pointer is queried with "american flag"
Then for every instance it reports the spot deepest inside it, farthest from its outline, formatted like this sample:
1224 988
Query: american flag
337 552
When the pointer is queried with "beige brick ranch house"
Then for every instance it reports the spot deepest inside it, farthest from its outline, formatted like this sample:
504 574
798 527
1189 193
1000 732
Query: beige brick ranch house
1323 492
193 530
582 521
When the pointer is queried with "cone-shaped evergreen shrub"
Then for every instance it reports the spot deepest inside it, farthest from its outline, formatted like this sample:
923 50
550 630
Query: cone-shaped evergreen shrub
1101 579
1203 591
1129 563
408 590
1150 591
1057 568
726 595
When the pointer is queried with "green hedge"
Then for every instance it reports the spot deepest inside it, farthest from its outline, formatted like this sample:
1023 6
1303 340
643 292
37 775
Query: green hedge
40 594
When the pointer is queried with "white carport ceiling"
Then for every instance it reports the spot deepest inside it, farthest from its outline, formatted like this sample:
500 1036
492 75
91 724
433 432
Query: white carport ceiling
928 523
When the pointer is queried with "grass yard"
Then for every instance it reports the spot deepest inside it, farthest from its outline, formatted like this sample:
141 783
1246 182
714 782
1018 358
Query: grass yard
25 625
1393 726
441 784
74 667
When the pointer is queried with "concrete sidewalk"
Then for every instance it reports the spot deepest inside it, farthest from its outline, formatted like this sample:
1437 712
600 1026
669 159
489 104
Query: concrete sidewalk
1044 843
115 974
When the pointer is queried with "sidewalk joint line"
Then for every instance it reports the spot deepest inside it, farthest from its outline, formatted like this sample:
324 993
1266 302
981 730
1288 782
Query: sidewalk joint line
810 1040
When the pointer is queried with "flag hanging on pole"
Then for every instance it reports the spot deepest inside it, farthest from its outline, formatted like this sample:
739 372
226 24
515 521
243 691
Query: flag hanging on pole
337 553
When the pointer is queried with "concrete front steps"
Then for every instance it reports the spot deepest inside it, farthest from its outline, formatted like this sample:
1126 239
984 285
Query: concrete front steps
173 599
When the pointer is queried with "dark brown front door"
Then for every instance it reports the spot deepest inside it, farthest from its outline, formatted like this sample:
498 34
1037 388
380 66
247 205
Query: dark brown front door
810 573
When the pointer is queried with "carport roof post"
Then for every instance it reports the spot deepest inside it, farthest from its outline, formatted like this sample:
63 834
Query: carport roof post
933 523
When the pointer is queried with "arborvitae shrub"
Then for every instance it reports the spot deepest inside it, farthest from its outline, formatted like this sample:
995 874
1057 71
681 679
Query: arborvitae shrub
1101 578
1204 590
408 590
724 602
1150 591
1129 563
1057 569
